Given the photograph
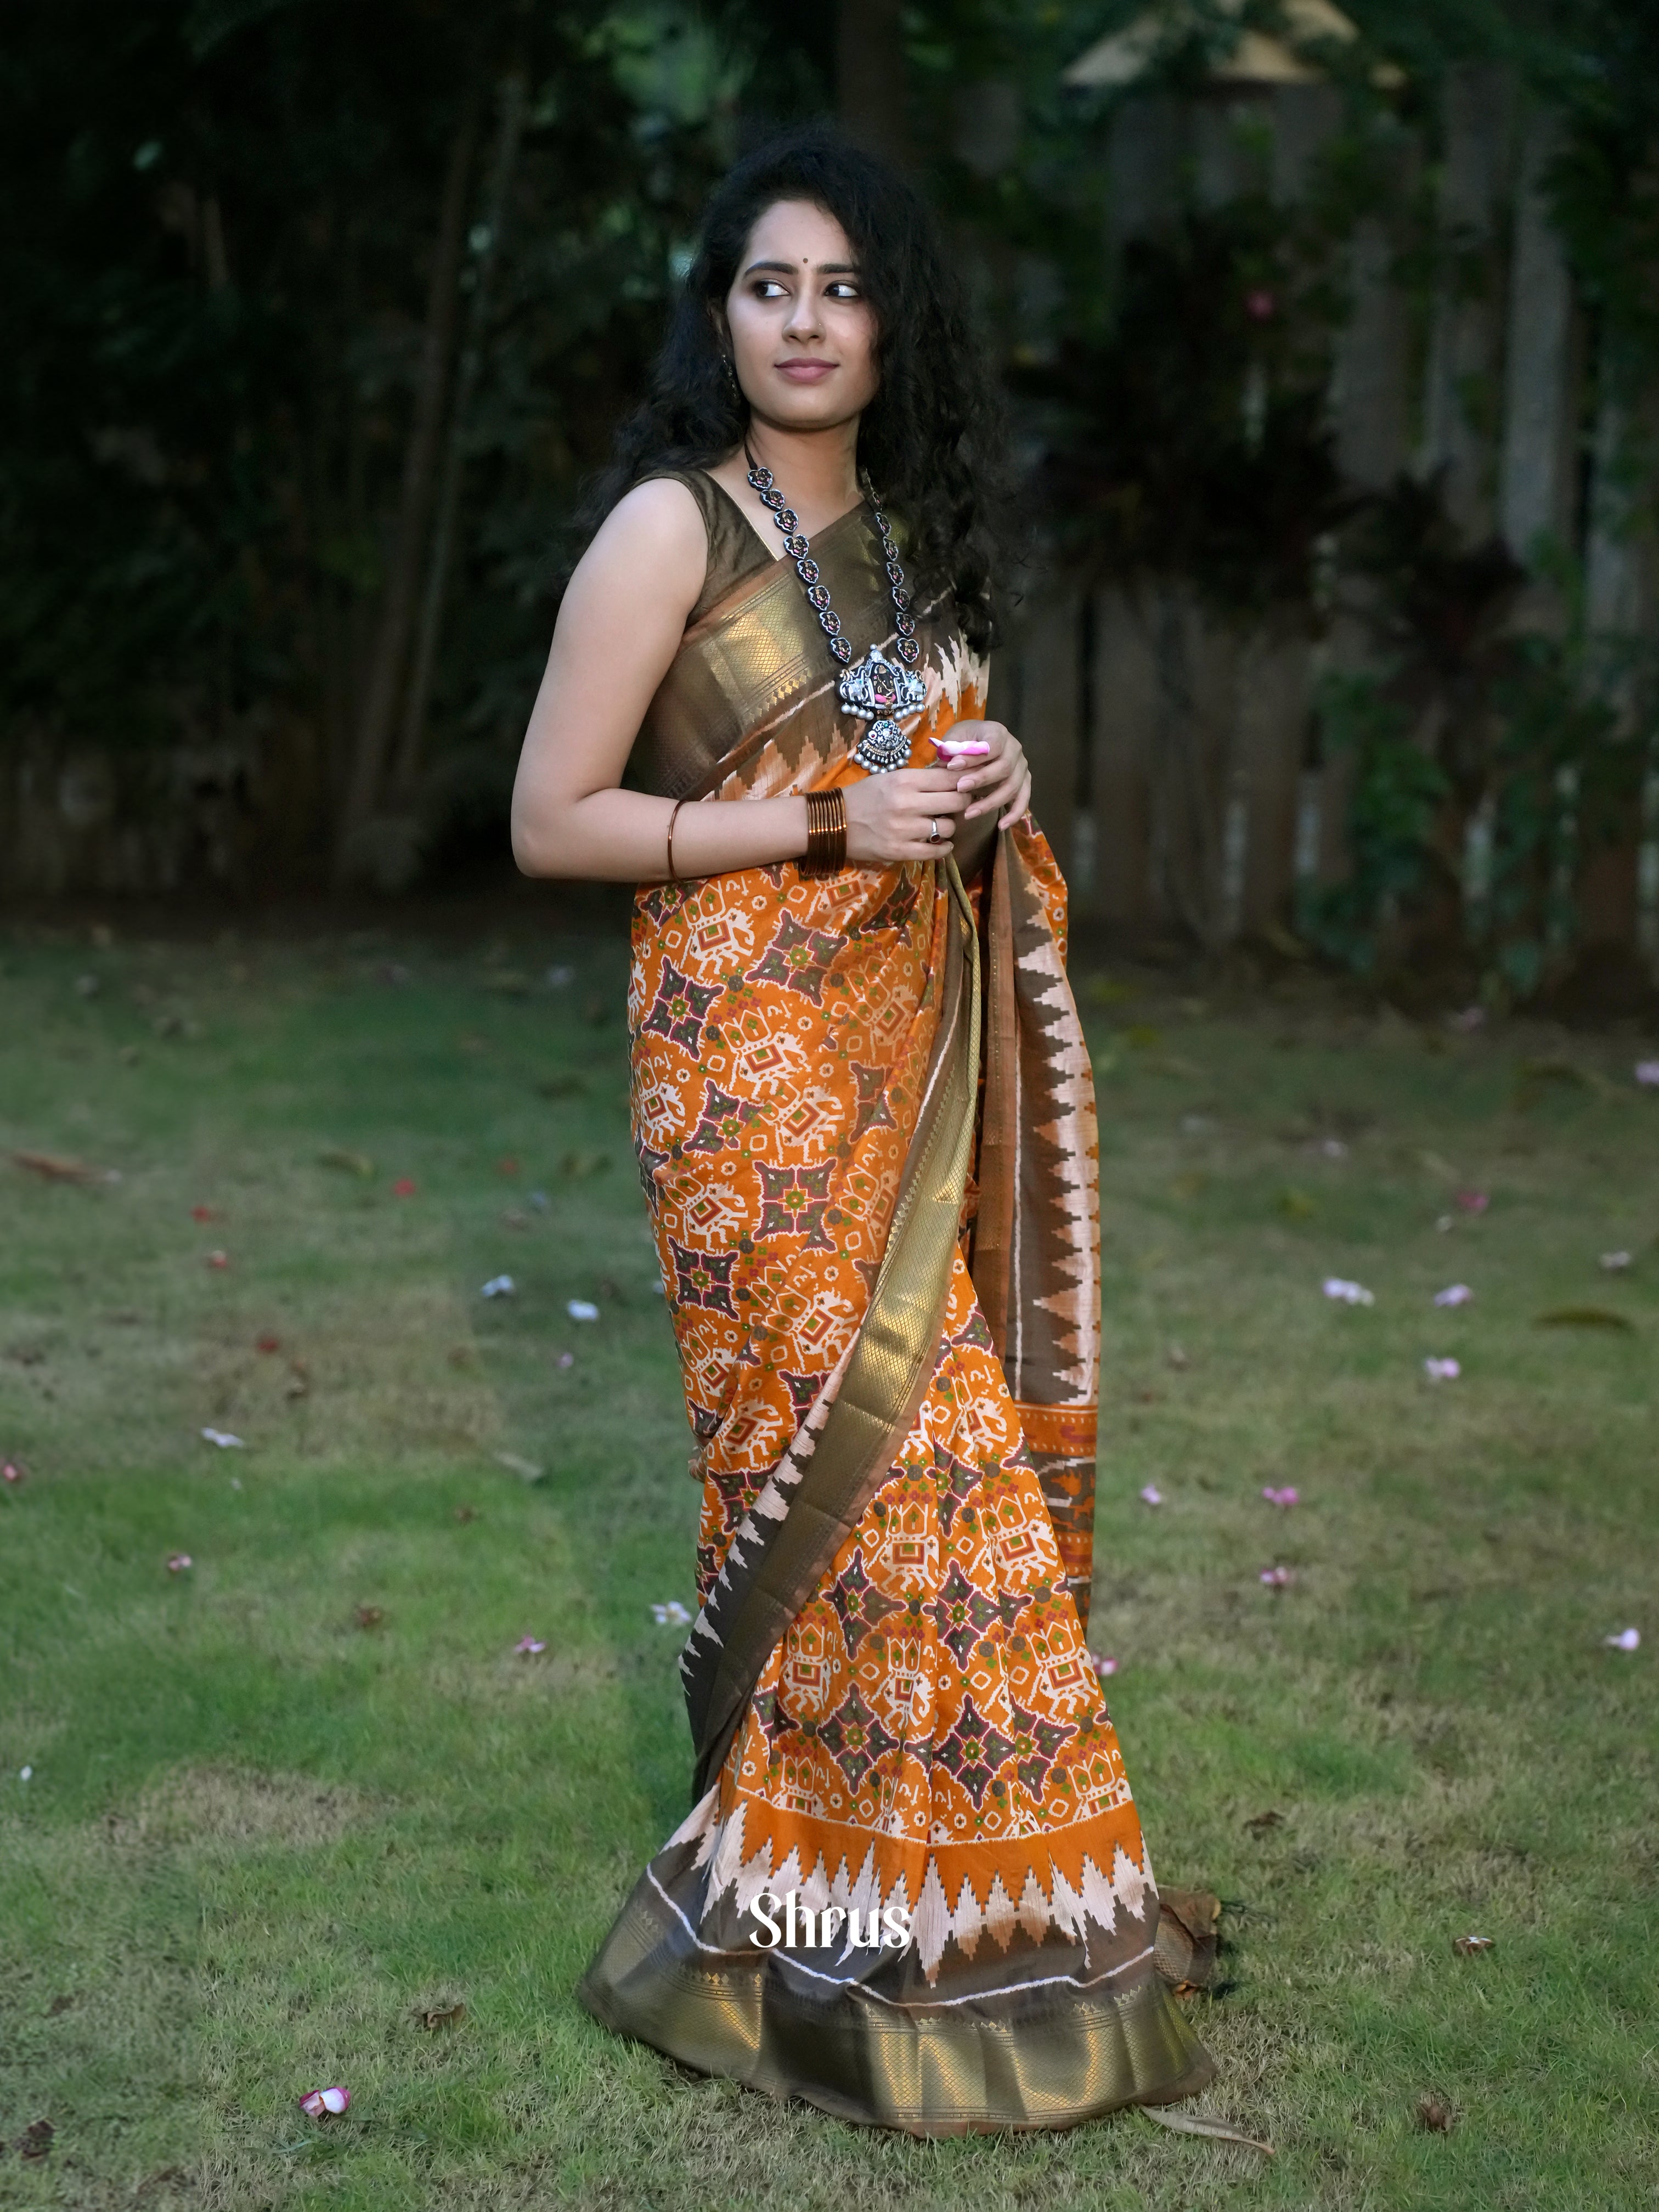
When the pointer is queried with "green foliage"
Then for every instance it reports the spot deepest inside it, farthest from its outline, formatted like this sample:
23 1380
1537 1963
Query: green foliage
1396 793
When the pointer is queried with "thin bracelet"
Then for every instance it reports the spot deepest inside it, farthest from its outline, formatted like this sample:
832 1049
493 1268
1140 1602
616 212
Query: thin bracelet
673 817
826 834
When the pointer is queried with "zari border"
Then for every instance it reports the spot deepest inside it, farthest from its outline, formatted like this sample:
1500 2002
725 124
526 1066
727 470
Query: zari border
1049 2055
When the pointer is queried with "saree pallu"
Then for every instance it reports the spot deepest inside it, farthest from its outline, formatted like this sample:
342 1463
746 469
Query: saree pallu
864 1114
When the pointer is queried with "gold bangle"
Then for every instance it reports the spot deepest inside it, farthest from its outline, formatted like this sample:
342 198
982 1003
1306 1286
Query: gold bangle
673 817
826 834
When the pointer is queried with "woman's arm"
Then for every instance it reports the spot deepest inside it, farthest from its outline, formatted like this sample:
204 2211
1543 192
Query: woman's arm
619 627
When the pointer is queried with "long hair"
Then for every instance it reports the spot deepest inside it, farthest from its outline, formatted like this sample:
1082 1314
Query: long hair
932 439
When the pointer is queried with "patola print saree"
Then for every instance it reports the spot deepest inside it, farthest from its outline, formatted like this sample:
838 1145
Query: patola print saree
912 1888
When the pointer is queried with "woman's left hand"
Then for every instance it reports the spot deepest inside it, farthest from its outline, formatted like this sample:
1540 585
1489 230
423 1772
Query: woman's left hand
998 777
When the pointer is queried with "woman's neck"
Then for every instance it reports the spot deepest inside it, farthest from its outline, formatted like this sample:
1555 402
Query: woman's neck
816 470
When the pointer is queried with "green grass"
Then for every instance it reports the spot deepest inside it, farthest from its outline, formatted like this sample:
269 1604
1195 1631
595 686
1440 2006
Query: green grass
258 1839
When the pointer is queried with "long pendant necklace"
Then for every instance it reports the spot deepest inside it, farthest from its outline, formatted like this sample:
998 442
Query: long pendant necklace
875 691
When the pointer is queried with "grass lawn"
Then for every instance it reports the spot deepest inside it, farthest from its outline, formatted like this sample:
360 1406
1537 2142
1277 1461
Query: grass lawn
260 1841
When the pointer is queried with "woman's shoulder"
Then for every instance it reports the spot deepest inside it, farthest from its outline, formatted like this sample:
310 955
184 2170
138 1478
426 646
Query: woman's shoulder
733 548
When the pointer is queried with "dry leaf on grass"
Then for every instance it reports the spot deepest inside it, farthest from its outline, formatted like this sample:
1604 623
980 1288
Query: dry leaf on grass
1434 2113
52 1167
1194 2123
432 2017
1263 1821
527 1470
338 1155
35 2141
370 1616
1583 1317
1469 1945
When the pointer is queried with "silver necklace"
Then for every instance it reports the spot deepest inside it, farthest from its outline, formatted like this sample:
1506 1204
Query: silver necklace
875 691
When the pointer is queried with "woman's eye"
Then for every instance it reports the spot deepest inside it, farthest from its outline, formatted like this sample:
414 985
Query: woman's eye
841 291
768 289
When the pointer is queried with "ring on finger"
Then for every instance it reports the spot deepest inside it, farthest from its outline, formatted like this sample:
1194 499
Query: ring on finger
933 837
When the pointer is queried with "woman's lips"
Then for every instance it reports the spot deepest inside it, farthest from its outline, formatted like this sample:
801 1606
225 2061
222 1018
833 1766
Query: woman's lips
805 372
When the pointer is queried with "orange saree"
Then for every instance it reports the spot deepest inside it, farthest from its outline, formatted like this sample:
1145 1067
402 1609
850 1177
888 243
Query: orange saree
913 1887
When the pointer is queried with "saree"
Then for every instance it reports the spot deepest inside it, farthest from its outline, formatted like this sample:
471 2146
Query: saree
913 1888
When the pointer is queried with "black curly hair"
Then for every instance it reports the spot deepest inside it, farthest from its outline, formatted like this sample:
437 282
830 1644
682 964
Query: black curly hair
932 440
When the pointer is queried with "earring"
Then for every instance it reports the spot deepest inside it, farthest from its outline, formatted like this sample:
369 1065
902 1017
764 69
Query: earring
732 376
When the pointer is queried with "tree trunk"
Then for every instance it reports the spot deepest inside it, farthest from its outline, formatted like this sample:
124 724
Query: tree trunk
870 76
418 697
391 649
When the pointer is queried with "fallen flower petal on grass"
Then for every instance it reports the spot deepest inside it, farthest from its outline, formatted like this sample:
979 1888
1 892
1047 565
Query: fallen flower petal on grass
1348 1294
1647 1074
1613 1263
1469 1945
179 1563
1455 1294
529 1647
1276 1578
268 1342
203 1213
1287 1496
498 1286
218 1258
1441 1371
671 1615
1104 1665
321 2104
1151 1495
11 1473
404 1188
507 1166
582 1310
369 1616
565 1359
26 1774
224 1440
1473 1201
529 1470
1626 1639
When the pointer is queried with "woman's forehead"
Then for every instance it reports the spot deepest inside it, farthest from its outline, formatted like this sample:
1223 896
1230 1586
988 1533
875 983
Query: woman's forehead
801 234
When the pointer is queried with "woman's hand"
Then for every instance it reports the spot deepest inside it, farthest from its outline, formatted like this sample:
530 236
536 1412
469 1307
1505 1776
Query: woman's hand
988 766
909 815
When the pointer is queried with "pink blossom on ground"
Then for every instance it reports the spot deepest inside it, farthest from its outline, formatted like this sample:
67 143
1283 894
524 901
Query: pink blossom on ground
530 1646
1473 1201
1346 1293
1455 1294
1441 1371
1647 1074
1627 1639
321 2104
404 1188
1276 1578
1286 1496
10 1472
1103 1666
1151 1495
179 1563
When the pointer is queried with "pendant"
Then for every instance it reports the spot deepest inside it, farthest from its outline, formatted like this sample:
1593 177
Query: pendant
878 693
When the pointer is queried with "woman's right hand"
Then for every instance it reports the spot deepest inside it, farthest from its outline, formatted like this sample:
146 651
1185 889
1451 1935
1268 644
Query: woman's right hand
891 817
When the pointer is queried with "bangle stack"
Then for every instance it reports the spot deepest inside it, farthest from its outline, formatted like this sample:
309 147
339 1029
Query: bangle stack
826 834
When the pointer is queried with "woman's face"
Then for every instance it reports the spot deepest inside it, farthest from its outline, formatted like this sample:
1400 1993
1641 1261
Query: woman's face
803 335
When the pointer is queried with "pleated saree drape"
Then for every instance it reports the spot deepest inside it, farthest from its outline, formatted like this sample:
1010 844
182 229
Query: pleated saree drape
864 1120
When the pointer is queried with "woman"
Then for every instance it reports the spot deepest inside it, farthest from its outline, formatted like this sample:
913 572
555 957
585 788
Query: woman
913 1887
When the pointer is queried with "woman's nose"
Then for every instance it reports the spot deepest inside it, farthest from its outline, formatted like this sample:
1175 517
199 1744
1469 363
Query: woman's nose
803 320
